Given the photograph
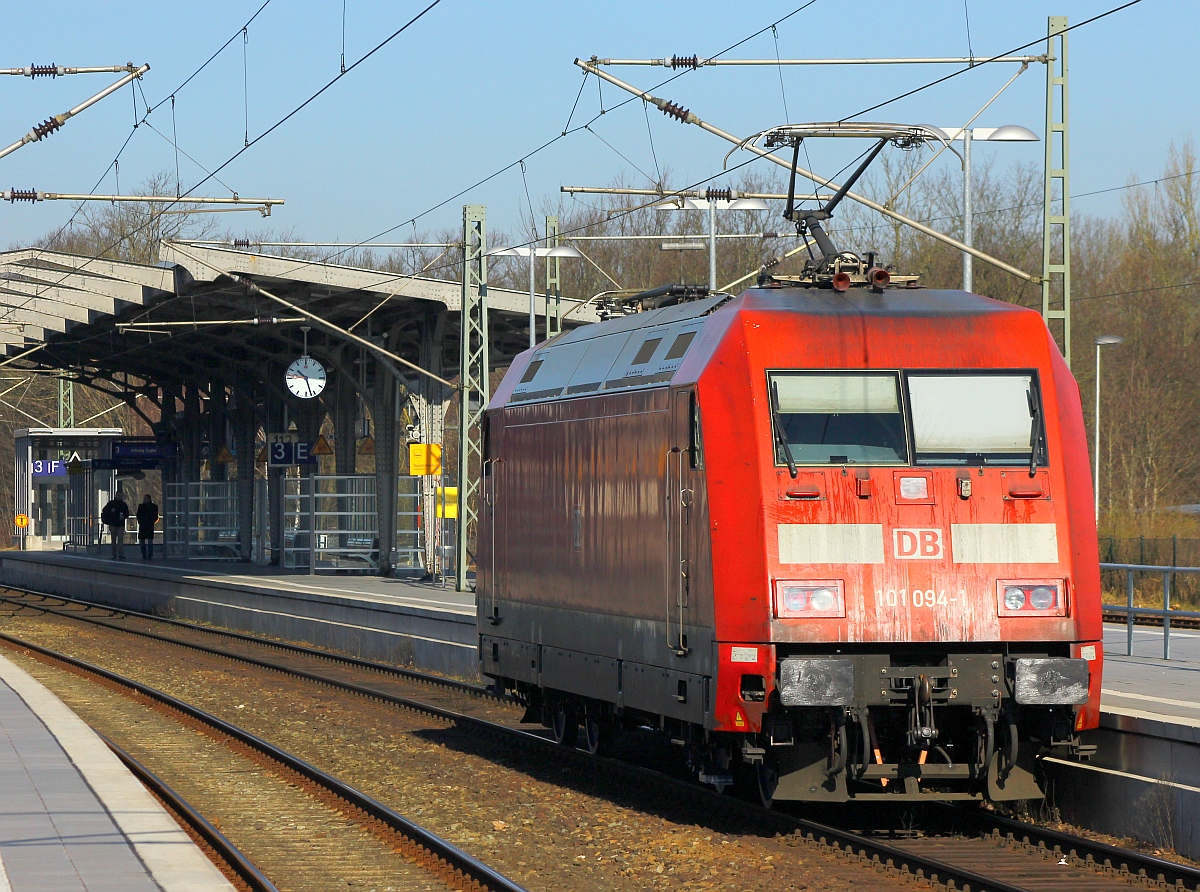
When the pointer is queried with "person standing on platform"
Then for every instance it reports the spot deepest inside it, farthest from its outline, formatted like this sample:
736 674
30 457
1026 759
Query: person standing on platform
113 516
147 517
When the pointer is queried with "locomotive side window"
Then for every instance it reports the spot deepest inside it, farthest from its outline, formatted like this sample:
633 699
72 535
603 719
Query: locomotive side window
646 351
531 371
696 450
679 346
838 418
975 419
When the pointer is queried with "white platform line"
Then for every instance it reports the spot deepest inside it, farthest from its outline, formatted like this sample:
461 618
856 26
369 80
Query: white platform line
167 852
1189 704
326 622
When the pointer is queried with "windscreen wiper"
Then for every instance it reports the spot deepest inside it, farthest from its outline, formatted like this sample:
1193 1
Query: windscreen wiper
1035 441
777 427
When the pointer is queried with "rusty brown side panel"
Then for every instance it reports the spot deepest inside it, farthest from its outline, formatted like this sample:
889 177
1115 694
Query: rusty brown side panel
574 547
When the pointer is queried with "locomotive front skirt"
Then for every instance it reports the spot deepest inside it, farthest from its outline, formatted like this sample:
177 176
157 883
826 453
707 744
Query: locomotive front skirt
834 545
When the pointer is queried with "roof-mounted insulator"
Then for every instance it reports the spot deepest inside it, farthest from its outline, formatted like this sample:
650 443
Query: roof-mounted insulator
676 111
685 61
14 195
241 243
46 127
50 70
718 194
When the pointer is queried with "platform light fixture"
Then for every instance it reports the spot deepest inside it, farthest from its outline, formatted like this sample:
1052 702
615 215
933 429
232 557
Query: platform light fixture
968 135
561 251
712 205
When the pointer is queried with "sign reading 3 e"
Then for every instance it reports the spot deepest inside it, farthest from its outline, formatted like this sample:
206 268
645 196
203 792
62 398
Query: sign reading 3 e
286 449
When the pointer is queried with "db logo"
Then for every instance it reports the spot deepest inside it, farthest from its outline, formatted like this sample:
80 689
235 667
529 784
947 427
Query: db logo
917 544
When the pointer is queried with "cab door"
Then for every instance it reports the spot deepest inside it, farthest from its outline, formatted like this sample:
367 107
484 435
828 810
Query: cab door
681 476
494 544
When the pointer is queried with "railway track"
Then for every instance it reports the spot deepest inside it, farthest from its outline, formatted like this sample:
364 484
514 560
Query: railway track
992 853
1110 616
453 867
238 869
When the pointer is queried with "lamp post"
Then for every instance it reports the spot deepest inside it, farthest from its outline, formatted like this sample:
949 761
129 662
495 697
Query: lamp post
1102 341
1006 133
533 253
712 205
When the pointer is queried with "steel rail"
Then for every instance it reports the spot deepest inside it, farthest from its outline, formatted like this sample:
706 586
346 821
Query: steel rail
845 842
458 860
1094 853
1097 853
357 662
238 863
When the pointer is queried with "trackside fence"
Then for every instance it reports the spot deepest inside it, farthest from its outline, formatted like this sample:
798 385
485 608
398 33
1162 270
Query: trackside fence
1133 573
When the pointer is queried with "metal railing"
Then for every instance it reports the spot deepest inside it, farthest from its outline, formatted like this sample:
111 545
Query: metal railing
200 521
408 554
1165 613
337 530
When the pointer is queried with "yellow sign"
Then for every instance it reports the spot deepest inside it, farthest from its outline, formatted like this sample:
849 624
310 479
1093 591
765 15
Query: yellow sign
366 446
424 459
447 501
321 447
224 457
75 467
262 454
21 520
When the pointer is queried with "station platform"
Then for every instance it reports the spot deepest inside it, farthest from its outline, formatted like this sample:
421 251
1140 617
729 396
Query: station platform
72 817
1145 685
411 623
1144 780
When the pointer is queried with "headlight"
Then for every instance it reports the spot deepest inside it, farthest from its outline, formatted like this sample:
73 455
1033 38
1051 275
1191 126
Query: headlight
1014 598
1042 597
816 598
1034 597
823 600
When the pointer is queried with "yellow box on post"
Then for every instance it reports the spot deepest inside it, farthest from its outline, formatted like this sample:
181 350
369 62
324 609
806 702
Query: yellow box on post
424 459
447 502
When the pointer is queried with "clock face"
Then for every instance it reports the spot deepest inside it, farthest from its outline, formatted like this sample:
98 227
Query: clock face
306 377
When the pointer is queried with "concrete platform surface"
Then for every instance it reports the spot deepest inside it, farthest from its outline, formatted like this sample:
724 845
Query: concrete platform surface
406 622
72 817
1147 686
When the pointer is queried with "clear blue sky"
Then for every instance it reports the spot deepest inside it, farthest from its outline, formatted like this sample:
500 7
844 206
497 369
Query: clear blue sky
473 86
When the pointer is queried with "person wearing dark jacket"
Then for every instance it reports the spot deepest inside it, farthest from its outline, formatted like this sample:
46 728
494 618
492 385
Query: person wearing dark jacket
147 517
113 516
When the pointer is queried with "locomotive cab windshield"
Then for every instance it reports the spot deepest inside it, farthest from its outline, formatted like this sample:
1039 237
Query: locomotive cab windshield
973 418
964 418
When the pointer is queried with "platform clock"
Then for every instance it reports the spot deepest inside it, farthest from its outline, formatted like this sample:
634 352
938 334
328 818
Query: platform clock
306 377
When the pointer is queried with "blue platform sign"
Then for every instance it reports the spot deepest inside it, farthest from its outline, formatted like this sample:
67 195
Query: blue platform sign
49 467
145 450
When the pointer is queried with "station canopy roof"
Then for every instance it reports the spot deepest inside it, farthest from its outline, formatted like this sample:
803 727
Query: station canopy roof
65 311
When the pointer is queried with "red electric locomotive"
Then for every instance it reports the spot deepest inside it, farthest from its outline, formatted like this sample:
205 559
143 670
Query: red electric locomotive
834 537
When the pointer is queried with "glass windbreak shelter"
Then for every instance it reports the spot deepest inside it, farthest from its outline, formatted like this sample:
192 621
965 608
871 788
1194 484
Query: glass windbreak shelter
61 507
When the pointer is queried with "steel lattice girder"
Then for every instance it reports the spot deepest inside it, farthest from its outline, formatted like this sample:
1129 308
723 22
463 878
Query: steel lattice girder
474 387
